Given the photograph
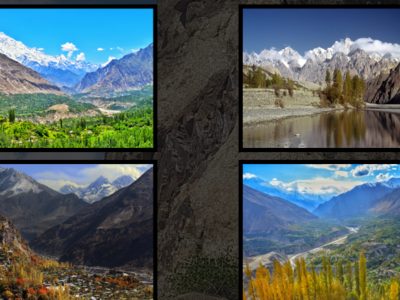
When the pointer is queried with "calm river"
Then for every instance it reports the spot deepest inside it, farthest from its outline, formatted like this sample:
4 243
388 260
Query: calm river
337 129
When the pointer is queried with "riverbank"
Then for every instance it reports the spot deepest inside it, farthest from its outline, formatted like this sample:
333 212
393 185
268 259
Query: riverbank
389 108
253 117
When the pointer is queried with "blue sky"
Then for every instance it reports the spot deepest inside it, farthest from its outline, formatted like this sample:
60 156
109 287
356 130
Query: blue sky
306 29
57 175
87 30
319 177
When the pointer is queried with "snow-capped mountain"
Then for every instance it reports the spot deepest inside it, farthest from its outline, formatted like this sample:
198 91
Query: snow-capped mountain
59 70
306 200
98 189
13 182
344 55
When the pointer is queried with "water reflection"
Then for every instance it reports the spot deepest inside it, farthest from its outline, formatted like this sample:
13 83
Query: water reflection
339 129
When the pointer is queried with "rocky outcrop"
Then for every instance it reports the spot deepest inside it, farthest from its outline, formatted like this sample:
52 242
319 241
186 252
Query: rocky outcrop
384 88
15 78
132 72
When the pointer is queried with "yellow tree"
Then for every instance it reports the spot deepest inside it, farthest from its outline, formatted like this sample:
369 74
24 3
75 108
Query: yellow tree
248 271
394 291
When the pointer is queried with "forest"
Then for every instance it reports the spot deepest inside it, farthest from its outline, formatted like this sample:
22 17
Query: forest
333 281
130 129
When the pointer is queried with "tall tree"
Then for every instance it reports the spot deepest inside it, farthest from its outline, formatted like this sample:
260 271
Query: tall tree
328 78
347 88
356 90
363 276
340 269
357 277
349 276
394 290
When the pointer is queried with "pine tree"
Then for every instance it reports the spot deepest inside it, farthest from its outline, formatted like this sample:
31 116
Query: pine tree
357 277
363 275
328 78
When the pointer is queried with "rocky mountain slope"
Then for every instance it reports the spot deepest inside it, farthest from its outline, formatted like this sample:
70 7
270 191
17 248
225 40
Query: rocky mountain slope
116 231
57 69
312 67
13 183
98 189
388 204
15 78
34 213
384 88
265 213
131 72
353 201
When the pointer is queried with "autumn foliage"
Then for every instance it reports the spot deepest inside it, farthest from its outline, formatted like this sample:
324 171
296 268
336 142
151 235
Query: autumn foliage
304 283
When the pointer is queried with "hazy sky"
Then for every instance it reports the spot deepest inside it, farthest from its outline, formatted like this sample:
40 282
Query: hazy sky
57 175
320 178
92 35
305 29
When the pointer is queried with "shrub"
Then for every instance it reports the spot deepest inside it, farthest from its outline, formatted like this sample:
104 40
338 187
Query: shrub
284 93
290 90
215 276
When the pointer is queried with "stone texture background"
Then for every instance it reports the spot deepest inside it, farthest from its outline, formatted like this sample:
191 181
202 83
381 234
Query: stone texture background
197 155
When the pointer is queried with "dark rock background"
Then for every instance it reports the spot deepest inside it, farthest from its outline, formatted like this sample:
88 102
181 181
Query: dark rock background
198 106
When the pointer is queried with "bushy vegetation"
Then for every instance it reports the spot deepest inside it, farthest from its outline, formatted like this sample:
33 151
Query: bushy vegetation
130 129
257 78
337 281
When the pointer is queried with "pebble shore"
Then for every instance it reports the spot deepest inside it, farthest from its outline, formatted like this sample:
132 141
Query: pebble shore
253 117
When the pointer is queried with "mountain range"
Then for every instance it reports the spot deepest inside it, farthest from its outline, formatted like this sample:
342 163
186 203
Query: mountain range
18 79
98 189
312 67
305 200
266 213
131 72
353 201
34 207
57 69
116 231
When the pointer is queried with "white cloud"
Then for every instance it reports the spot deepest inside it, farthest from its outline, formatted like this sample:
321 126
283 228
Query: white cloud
68 47
394 168
120 49
382 177
80 56
134 51
342 173
110 58
111 48
56 180
40 49
369 45
100 49
329 167
248 176
318 186
367 169
70 54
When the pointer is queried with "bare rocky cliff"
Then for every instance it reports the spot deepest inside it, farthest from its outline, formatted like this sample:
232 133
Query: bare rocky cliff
15 78
384 88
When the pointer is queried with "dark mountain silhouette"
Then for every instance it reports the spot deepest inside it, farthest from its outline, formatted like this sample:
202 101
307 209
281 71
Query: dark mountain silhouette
116 231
